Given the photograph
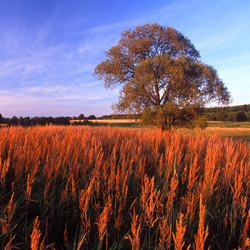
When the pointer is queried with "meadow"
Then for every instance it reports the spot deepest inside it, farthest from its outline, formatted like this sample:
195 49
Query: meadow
117 188
236 133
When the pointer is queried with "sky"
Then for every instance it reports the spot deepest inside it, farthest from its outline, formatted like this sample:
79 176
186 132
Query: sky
49 48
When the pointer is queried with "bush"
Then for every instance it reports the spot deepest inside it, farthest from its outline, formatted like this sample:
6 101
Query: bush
241 116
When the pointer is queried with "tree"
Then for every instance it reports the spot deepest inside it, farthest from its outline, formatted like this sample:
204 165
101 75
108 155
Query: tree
91 117
81 117
161 73
1 119
14 120
241 116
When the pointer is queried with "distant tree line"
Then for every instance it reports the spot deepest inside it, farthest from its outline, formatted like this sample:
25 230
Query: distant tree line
28 121
83 117
240 113
82 120
121 116
32 121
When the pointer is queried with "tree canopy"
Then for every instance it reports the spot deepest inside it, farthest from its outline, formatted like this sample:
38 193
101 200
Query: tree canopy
162 76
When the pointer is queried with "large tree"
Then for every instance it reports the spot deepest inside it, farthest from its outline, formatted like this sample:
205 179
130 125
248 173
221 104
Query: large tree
161 75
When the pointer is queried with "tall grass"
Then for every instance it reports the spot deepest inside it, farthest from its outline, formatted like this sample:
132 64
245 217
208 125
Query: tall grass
110 188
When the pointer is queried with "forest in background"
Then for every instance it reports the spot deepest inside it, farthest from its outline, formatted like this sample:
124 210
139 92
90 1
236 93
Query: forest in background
239 113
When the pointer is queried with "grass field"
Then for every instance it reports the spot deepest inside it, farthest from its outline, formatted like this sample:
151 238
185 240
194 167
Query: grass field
136 121
113 188
116 121
235 130
229 124
237 133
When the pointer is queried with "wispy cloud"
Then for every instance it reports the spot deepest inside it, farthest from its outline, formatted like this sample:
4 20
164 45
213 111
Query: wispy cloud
45 99
103 28
223 38
49 64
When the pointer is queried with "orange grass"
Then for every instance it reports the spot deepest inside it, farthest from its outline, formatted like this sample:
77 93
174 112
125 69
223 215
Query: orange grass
111 188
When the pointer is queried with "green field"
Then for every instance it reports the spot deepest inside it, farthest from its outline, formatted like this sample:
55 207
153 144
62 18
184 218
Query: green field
236 130
235 133
229 124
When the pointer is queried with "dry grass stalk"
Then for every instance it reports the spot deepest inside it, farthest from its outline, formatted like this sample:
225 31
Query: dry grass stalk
244 240
151 206
172 194
211 171
118 219
165 234
146 189
73 188
4 169
8 212
110 164
192 176
243 207
238 187
35 236
180 232
191 207
135 231
84 197
65 236
28 189
9 244
104 218
81 241
202 234
226 220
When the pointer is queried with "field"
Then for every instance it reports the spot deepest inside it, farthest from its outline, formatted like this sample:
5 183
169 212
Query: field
229 124
116 121
236 133
122 123
113 188
235 130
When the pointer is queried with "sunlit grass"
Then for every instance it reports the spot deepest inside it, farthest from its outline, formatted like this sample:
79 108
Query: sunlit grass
112 188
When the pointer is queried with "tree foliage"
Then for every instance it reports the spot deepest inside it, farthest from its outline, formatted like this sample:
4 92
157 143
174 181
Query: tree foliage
161 73
241 116
228 113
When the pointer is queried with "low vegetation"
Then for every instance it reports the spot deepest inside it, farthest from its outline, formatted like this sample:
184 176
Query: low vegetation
110 188
236 116
240 113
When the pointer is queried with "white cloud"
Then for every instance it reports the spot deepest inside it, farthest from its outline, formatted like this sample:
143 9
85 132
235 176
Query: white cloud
48 100
40 73
104 28
223 38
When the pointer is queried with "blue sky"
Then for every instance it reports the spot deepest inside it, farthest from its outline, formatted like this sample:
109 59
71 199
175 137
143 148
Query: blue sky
49 48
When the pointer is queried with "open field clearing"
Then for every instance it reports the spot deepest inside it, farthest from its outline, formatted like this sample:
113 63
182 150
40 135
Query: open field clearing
136 121
109 121
236 133
112 188
126 123
229 124
235 130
